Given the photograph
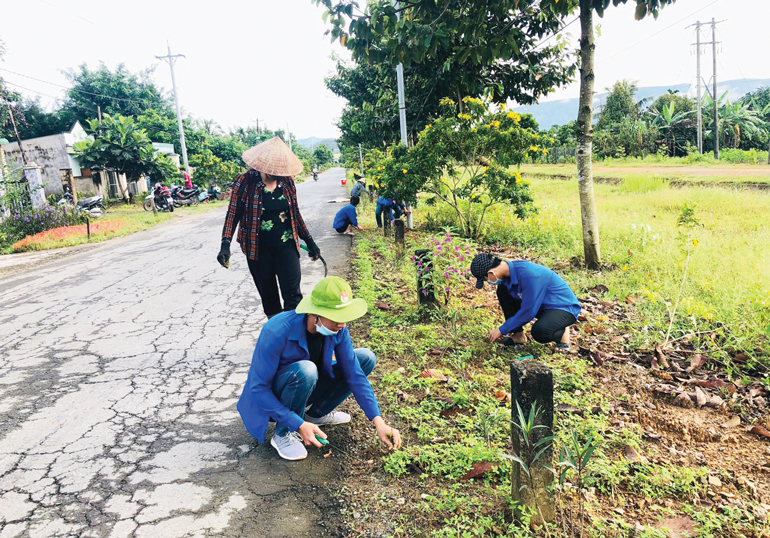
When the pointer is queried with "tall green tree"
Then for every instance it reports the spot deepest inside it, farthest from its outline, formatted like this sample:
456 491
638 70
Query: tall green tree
117 92
120 145
490 47
586 10
323 155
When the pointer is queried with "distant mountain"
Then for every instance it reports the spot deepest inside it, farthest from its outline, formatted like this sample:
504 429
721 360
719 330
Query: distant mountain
313 141
565 110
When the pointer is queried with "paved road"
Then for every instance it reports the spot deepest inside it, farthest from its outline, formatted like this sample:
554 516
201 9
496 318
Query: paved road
120 367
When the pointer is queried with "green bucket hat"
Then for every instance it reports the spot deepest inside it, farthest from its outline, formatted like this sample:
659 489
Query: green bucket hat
332 298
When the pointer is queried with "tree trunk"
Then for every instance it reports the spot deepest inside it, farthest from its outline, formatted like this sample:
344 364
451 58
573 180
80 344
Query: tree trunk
583 156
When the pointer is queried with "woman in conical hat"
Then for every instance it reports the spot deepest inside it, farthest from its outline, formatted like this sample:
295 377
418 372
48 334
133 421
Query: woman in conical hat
263 207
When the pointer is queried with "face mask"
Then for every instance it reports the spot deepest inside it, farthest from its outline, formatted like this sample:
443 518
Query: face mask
323 330
495 282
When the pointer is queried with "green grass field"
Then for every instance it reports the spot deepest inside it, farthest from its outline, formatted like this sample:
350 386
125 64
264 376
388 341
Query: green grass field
691 173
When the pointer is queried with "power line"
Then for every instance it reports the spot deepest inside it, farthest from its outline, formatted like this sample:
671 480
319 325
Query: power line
125 99
68 12
658 32
556 33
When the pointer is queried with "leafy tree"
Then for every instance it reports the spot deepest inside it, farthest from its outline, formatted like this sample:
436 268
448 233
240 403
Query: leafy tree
33 121
621 104
117 92
586 9
464 160
674 116
211 169
489 47
323 155
120 145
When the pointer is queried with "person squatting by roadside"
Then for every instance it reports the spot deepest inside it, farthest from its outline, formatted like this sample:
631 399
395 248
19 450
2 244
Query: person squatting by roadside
263 207
295 380
526 291
346 219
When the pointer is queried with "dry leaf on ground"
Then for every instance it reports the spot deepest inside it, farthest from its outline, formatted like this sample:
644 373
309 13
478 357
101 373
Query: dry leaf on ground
479 469
432 373
759 430
734 422
382 306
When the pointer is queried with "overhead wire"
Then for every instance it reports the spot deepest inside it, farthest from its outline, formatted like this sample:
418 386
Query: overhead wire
658 32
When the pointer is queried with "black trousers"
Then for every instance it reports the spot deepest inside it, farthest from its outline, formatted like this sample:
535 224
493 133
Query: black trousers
550 323
280 263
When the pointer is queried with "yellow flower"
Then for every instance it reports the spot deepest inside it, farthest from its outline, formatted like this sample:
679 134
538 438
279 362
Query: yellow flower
545 151
501 106
495 124
534 148
446 101
403 170
515 117
695 242
624 268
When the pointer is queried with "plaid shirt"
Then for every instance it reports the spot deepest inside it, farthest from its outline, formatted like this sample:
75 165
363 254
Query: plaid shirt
245 209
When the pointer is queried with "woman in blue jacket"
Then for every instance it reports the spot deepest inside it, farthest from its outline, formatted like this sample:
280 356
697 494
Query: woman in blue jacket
526 291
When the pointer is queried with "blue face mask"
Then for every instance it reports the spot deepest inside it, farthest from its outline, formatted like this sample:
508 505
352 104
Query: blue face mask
495 282
323 330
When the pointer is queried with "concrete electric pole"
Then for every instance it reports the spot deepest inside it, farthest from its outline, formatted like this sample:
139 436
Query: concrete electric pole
402 112
171 59
714 98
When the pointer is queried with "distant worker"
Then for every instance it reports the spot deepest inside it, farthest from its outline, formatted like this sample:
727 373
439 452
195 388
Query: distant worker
526 291
187 181
390 207
359 187
346 219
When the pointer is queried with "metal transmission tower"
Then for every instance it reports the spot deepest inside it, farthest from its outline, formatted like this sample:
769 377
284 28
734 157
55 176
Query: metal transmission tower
171 59
714 99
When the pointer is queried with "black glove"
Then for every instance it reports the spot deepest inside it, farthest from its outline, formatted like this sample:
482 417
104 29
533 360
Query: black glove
224 254
315 252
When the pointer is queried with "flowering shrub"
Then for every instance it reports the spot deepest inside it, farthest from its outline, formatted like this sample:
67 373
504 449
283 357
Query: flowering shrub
64 234
22 224
451 259
464 160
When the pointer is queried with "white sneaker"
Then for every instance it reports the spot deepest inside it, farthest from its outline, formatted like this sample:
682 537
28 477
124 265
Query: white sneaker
335 417
289 446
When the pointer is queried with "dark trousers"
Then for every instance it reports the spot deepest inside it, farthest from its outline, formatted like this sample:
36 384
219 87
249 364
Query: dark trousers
282 264
550 323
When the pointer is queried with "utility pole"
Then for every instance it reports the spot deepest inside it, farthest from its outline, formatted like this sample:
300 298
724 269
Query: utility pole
171 59
15 130
361 158
715 100
401 112
258 131
288 136
713 93
700 113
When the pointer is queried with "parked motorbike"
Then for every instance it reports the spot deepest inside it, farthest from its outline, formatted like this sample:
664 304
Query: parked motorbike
315 175
92 207
162 197
214 193
185 196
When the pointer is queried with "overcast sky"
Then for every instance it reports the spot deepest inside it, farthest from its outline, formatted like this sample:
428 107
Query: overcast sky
266 59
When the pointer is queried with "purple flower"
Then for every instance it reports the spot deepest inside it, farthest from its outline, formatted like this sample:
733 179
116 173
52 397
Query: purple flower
447 288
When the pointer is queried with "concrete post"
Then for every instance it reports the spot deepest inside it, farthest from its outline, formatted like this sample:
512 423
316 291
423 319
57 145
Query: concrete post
34 177
532 384
398 232
425 291
385 224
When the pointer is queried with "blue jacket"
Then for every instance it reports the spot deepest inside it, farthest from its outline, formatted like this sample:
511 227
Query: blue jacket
346 215
358 188
539 288
386 202
283 341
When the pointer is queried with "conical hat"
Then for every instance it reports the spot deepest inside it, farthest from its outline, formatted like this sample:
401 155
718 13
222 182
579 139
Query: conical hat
273 157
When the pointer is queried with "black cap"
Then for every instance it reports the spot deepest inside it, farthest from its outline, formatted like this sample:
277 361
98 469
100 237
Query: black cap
481 265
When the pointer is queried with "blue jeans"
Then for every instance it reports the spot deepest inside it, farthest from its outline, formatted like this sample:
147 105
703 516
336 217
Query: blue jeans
378 211
299 385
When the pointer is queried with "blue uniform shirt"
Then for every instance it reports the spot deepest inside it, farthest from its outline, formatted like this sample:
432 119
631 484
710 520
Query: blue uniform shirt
345 216
358 188
283 341
538 288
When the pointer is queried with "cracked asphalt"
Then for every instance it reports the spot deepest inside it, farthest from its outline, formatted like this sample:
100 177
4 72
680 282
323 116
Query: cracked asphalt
120 367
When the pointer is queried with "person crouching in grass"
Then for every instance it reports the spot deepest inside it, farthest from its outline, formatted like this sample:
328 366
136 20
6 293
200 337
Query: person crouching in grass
526 291
346 219
294 378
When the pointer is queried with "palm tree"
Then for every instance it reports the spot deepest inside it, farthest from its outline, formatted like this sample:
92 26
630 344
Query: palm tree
666 120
